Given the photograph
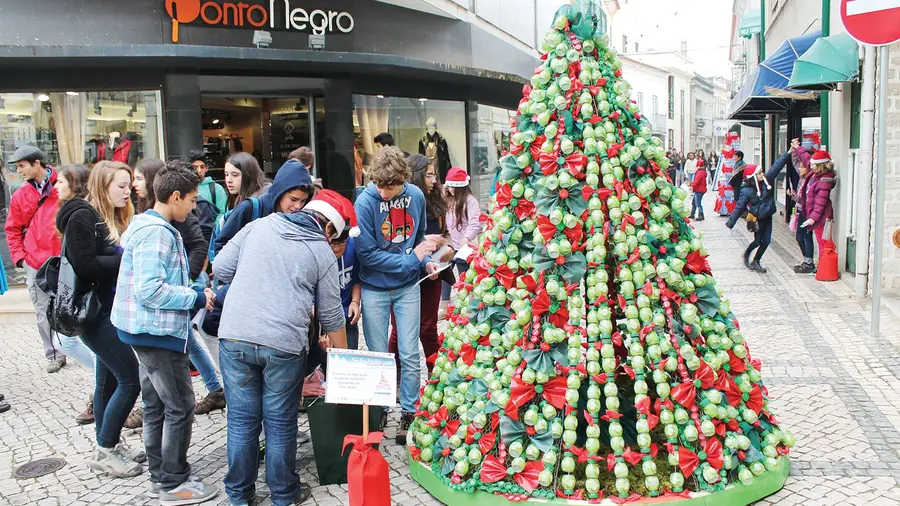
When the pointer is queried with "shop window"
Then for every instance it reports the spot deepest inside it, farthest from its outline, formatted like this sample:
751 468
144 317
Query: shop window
855 108
491 142
435 128
80 127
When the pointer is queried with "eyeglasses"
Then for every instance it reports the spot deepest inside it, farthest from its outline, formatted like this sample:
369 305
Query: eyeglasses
430 176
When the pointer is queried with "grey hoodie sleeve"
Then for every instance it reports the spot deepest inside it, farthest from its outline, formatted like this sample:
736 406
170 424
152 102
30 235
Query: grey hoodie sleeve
328 296
226 262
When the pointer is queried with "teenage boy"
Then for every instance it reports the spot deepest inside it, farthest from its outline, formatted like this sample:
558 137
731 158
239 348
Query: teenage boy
209 190
32 236
151 312
391 249
288 255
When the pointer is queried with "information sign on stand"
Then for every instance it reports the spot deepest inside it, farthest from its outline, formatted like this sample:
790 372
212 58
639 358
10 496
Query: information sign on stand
361 377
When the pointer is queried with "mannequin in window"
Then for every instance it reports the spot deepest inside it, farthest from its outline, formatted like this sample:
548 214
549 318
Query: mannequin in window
434 146
115 150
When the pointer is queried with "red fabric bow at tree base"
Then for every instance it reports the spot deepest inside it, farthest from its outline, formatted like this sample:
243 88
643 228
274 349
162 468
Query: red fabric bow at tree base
493 470
554 392
367 472
688 461
441 419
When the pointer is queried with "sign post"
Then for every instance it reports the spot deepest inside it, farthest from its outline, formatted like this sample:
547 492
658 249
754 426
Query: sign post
876 23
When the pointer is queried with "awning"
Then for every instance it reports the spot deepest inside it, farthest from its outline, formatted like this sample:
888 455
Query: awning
751 23
764 91
830 60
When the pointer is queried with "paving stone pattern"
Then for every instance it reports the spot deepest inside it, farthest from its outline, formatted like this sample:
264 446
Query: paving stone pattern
836 388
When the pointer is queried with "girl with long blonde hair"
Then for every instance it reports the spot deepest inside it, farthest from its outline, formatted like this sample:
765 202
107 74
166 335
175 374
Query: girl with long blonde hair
109 193
91 231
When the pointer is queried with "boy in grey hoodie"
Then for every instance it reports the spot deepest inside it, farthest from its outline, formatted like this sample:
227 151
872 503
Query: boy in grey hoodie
286 260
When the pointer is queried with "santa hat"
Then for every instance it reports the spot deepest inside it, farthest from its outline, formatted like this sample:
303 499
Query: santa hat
336 209
751 171
820 156
457 178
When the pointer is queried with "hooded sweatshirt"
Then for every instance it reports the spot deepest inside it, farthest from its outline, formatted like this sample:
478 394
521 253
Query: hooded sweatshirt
389 231
214 193
285 255
292 174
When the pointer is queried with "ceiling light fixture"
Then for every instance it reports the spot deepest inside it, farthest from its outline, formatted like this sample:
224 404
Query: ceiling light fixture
43 97
216 121
423 100
380 96
72 93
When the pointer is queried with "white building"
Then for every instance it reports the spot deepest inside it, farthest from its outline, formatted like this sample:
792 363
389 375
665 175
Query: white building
650 92
702 114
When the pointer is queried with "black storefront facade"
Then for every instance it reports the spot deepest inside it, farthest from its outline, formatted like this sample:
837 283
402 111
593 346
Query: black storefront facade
92 79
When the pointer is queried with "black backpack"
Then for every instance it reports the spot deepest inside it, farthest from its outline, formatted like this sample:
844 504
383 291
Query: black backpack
207 213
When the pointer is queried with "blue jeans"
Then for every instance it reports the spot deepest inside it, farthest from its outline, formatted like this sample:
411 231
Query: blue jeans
376 320
117 380
804 238
262 389
697 204
203 363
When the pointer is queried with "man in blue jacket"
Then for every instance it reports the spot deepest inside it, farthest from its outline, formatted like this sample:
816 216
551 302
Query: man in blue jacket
391 249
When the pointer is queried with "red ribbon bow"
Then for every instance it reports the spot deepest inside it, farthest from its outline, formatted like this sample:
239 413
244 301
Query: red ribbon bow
688 461
643 407
467 352
603 193
522 207
755 402
697 263
685 394
574 163
493 470
368 476
553 391
441 419
503 273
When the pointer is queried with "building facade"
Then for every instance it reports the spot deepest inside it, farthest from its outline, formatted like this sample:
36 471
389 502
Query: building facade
703 106
265 77
650 92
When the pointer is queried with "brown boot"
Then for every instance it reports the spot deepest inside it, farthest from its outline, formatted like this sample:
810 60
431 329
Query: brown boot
212 401
86 417
136 419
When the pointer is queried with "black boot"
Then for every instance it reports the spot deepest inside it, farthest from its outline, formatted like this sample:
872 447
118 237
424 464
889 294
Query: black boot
701 217
747 257
758 268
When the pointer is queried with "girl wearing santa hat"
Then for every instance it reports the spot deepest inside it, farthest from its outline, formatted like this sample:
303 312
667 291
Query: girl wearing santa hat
817 195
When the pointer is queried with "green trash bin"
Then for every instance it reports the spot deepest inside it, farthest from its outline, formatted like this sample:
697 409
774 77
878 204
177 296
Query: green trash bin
328 424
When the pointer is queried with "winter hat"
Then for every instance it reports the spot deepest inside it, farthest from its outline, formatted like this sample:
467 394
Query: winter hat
820 156
457 178
751 171
337 209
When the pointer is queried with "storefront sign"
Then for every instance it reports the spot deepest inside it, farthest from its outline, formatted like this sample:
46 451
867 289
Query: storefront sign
280 15
361 377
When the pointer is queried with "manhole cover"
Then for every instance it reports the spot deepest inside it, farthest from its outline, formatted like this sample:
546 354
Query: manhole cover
37 468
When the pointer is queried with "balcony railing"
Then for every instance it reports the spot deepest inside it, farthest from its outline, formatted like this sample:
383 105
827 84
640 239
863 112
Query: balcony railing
657 122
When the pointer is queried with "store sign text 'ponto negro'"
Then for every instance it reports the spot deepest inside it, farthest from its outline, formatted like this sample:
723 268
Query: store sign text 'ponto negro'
258 15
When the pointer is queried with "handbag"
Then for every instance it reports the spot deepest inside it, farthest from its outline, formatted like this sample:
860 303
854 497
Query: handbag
794 223
74 303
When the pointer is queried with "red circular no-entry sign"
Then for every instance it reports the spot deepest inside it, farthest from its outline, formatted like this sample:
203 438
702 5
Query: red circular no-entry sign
874 22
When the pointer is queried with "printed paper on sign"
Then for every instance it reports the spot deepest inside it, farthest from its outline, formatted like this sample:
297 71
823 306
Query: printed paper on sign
361 377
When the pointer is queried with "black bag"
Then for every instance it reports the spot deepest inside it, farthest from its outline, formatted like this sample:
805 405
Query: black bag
74 304
207 213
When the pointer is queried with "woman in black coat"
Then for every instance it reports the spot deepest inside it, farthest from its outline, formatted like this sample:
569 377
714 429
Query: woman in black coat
91 230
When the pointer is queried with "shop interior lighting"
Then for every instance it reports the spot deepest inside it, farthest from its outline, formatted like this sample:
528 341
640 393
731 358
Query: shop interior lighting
216 121
423 100
43 97
72 93
380 96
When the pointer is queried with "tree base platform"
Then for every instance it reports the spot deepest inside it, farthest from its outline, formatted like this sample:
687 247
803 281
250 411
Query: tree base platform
733 495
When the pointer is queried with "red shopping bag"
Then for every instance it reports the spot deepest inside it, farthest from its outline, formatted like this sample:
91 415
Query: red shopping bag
828 263
367 471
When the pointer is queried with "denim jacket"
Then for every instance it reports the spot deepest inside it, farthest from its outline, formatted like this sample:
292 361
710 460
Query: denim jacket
153 294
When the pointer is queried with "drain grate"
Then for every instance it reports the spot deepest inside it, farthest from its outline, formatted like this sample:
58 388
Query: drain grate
38 468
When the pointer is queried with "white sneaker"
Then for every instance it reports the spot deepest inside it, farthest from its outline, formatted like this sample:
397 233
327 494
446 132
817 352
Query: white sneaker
114 463
189 492
131 454
153 490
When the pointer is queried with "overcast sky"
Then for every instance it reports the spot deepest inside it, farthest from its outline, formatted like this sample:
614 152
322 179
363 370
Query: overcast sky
663 24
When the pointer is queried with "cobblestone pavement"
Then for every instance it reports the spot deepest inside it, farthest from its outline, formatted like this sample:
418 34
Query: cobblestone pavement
837 389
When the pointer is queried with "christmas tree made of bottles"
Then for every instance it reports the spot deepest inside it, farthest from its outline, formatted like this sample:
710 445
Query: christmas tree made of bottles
589 354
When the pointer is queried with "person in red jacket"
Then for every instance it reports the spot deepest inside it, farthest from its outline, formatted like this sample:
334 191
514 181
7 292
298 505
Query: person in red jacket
32 236
698 185
817 195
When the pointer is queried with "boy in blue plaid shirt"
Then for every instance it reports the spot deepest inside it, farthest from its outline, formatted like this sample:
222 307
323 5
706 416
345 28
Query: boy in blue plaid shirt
151 312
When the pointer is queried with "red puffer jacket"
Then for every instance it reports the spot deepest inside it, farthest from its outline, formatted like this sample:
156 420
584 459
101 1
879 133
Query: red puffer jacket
31 224
699 182
817 203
